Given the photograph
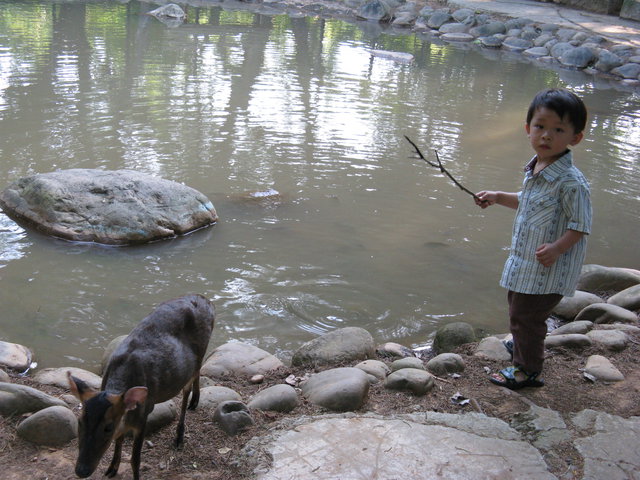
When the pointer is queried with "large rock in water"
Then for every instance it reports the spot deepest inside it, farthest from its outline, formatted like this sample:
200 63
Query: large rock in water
119 207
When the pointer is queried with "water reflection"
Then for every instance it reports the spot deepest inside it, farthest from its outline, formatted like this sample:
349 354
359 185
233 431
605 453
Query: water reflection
236 101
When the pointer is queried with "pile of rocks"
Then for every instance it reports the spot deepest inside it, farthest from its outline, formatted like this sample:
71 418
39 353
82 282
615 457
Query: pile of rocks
591 320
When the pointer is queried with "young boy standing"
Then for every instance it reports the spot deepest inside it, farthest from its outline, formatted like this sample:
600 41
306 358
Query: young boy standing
553 217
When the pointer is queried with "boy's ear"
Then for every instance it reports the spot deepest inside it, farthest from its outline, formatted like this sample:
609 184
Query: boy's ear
577 139
527 128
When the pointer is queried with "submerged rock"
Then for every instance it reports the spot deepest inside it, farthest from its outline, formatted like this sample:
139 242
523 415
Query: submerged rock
120 207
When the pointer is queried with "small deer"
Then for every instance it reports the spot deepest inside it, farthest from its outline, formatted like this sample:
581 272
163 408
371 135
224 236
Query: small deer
160 357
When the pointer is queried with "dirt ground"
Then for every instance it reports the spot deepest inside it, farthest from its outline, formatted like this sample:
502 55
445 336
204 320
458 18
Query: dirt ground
209 453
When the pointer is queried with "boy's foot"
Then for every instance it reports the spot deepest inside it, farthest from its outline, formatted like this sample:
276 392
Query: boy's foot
514 378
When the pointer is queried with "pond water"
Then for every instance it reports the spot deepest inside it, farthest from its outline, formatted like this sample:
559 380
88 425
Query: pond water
234 102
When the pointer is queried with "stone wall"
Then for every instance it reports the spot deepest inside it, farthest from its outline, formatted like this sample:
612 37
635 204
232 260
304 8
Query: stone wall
630 9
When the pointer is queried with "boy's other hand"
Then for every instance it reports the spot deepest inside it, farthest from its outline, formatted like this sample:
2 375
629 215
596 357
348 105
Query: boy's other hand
547 254
486 198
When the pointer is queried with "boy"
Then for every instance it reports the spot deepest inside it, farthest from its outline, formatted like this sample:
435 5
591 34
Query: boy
553 217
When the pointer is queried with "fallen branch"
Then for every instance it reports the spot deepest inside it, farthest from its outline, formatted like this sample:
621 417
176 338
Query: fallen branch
443 170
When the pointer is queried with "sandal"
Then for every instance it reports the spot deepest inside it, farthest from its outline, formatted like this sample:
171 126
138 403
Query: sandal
507 378
508 344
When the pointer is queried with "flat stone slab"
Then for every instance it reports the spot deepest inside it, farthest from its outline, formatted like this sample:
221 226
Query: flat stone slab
119 207
388 448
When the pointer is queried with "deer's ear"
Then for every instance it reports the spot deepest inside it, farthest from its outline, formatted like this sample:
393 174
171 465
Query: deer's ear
134 397
79 388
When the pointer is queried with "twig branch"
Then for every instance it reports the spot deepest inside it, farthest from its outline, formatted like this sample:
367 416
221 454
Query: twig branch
442 169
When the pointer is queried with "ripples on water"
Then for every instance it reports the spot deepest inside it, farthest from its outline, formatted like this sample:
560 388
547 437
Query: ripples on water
234 102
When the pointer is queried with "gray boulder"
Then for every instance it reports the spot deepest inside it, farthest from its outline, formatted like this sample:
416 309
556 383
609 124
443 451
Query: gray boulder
342 345
452 335
594 278
375 368
614 340
488 29
14 356
376 10
121 207
580 327
415 380
569 340
579 57
242 359
211 397
607 313
602 369
570 307
58 377
170 10
163 414
52 426
409 362
607 61
492 348
438 19
278 398
338 389
628 298
517 44
394 350
233 417
446 363
629 71
18 399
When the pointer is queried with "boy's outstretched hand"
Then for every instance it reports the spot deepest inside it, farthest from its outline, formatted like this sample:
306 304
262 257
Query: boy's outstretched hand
484 198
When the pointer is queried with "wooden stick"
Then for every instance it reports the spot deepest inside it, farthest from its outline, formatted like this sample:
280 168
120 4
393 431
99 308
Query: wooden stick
440 166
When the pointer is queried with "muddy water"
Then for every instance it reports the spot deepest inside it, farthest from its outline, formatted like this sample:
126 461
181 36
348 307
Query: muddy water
234 102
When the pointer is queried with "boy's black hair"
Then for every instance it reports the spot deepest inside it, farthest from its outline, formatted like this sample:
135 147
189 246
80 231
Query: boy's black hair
564 103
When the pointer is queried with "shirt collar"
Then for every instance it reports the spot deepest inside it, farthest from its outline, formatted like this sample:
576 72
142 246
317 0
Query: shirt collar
551 172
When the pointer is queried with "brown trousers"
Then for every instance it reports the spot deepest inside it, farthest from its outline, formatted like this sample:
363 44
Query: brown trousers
528 316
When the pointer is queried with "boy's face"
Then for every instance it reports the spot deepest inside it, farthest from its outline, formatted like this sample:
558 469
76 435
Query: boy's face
550 135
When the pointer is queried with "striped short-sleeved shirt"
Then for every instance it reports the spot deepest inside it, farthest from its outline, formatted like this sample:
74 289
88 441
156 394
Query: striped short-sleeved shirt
554 200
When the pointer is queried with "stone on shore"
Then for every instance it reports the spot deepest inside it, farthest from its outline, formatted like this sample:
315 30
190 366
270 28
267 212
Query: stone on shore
607 313
569 307
409 362
58 377
52 426
120 207
14 356
233 417
602 369
278 398
338 389
211 397
492 348
394 350
596 278
571 340
19 399
414 380
237 358
374 368
452 335
163 414
614 340
580 327
628 298
445 364
342 345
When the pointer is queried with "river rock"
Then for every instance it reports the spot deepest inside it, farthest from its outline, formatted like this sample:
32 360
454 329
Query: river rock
394 350
415 380
14 356
120 207
517 44
375 10
338 389
375 368
4 376
536 52
614 340
569 307
607 313
445 364
571 340
602 369
163 414
488 29
278 398
594 278
211 397
18 399
492 348
342 345
438 19
113 344
58 377
629 71
451 336
233 417
607 61
237 358
628 298
580 327
409 362
170 10
52 426
579 57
